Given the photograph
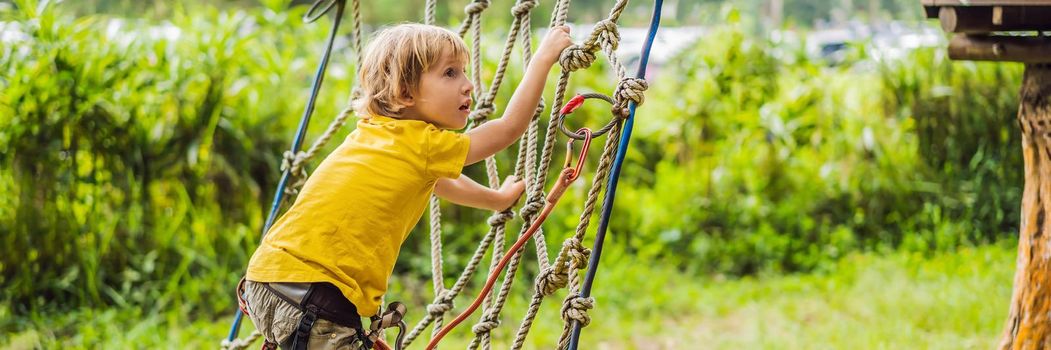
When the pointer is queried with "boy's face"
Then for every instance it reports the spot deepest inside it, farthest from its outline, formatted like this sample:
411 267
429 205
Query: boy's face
444 96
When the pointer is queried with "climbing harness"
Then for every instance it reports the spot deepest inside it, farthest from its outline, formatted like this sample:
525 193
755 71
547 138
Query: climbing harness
326 301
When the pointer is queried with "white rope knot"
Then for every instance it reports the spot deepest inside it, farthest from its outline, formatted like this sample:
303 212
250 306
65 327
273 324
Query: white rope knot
549 281
476 7
575 308
439 309
485 325
293 161
576 57
606 34
629 89
500 218
575 252
521 9
442 304
533 206
482 112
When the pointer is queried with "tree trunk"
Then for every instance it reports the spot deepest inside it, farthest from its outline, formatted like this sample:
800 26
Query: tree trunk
1029 323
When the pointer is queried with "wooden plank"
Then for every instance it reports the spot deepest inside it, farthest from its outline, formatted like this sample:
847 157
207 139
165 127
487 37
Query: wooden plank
986 19
1027 49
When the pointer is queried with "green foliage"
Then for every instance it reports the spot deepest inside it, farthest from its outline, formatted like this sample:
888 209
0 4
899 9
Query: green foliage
137 157
967 134
773 162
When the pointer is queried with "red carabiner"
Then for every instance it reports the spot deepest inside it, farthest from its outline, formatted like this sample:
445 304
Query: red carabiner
583 154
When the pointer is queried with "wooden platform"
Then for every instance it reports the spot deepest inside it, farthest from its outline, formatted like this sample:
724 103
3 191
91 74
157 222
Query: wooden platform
991 30
977 16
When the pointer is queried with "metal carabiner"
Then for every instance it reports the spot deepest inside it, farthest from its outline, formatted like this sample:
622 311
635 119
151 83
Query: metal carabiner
569 172
575 103
583 154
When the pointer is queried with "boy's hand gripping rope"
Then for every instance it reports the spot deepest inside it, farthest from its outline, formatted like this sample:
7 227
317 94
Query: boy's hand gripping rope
569 174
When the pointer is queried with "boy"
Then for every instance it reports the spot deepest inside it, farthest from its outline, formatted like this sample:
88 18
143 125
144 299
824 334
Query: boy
326 261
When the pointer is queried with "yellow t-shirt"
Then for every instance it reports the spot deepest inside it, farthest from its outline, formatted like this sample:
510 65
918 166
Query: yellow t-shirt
356 209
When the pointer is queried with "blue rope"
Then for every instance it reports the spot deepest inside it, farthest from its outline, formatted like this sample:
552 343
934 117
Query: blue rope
297 143
611 186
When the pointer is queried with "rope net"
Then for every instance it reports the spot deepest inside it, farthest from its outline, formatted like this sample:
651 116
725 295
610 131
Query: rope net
532 165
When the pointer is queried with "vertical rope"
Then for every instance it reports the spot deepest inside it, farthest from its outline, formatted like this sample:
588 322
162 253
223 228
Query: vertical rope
436 254
429 17
355 7
443 299
560 13
490 316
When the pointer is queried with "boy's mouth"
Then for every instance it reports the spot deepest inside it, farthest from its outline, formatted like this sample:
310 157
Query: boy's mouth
466 107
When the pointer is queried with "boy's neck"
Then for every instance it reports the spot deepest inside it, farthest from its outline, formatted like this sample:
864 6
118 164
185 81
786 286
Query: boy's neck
410 113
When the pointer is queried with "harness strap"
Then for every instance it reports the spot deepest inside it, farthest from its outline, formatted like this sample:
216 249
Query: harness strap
302 335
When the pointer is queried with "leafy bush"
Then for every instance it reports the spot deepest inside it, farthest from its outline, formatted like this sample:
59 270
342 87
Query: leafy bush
771 162
137 156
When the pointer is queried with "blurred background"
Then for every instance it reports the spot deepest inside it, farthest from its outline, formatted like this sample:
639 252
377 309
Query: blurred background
803 174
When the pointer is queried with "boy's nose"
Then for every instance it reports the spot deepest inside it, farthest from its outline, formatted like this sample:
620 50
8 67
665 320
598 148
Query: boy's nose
468 88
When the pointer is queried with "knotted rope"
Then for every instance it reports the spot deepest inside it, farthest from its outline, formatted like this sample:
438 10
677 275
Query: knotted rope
483 109
530 166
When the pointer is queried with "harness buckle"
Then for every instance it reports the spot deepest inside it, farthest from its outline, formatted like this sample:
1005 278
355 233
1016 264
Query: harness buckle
302 337
393 317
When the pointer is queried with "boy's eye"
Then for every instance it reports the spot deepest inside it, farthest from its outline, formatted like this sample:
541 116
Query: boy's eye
450 72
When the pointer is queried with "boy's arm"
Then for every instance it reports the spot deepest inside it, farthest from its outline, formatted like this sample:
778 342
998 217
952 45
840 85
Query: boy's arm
491 137
466 192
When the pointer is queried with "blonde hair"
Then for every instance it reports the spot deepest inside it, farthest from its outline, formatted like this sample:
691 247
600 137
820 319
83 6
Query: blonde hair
394 62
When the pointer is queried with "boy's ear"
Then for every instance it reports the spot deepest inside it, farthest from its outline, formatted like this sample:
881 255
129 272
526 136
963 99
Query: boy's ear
406 98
